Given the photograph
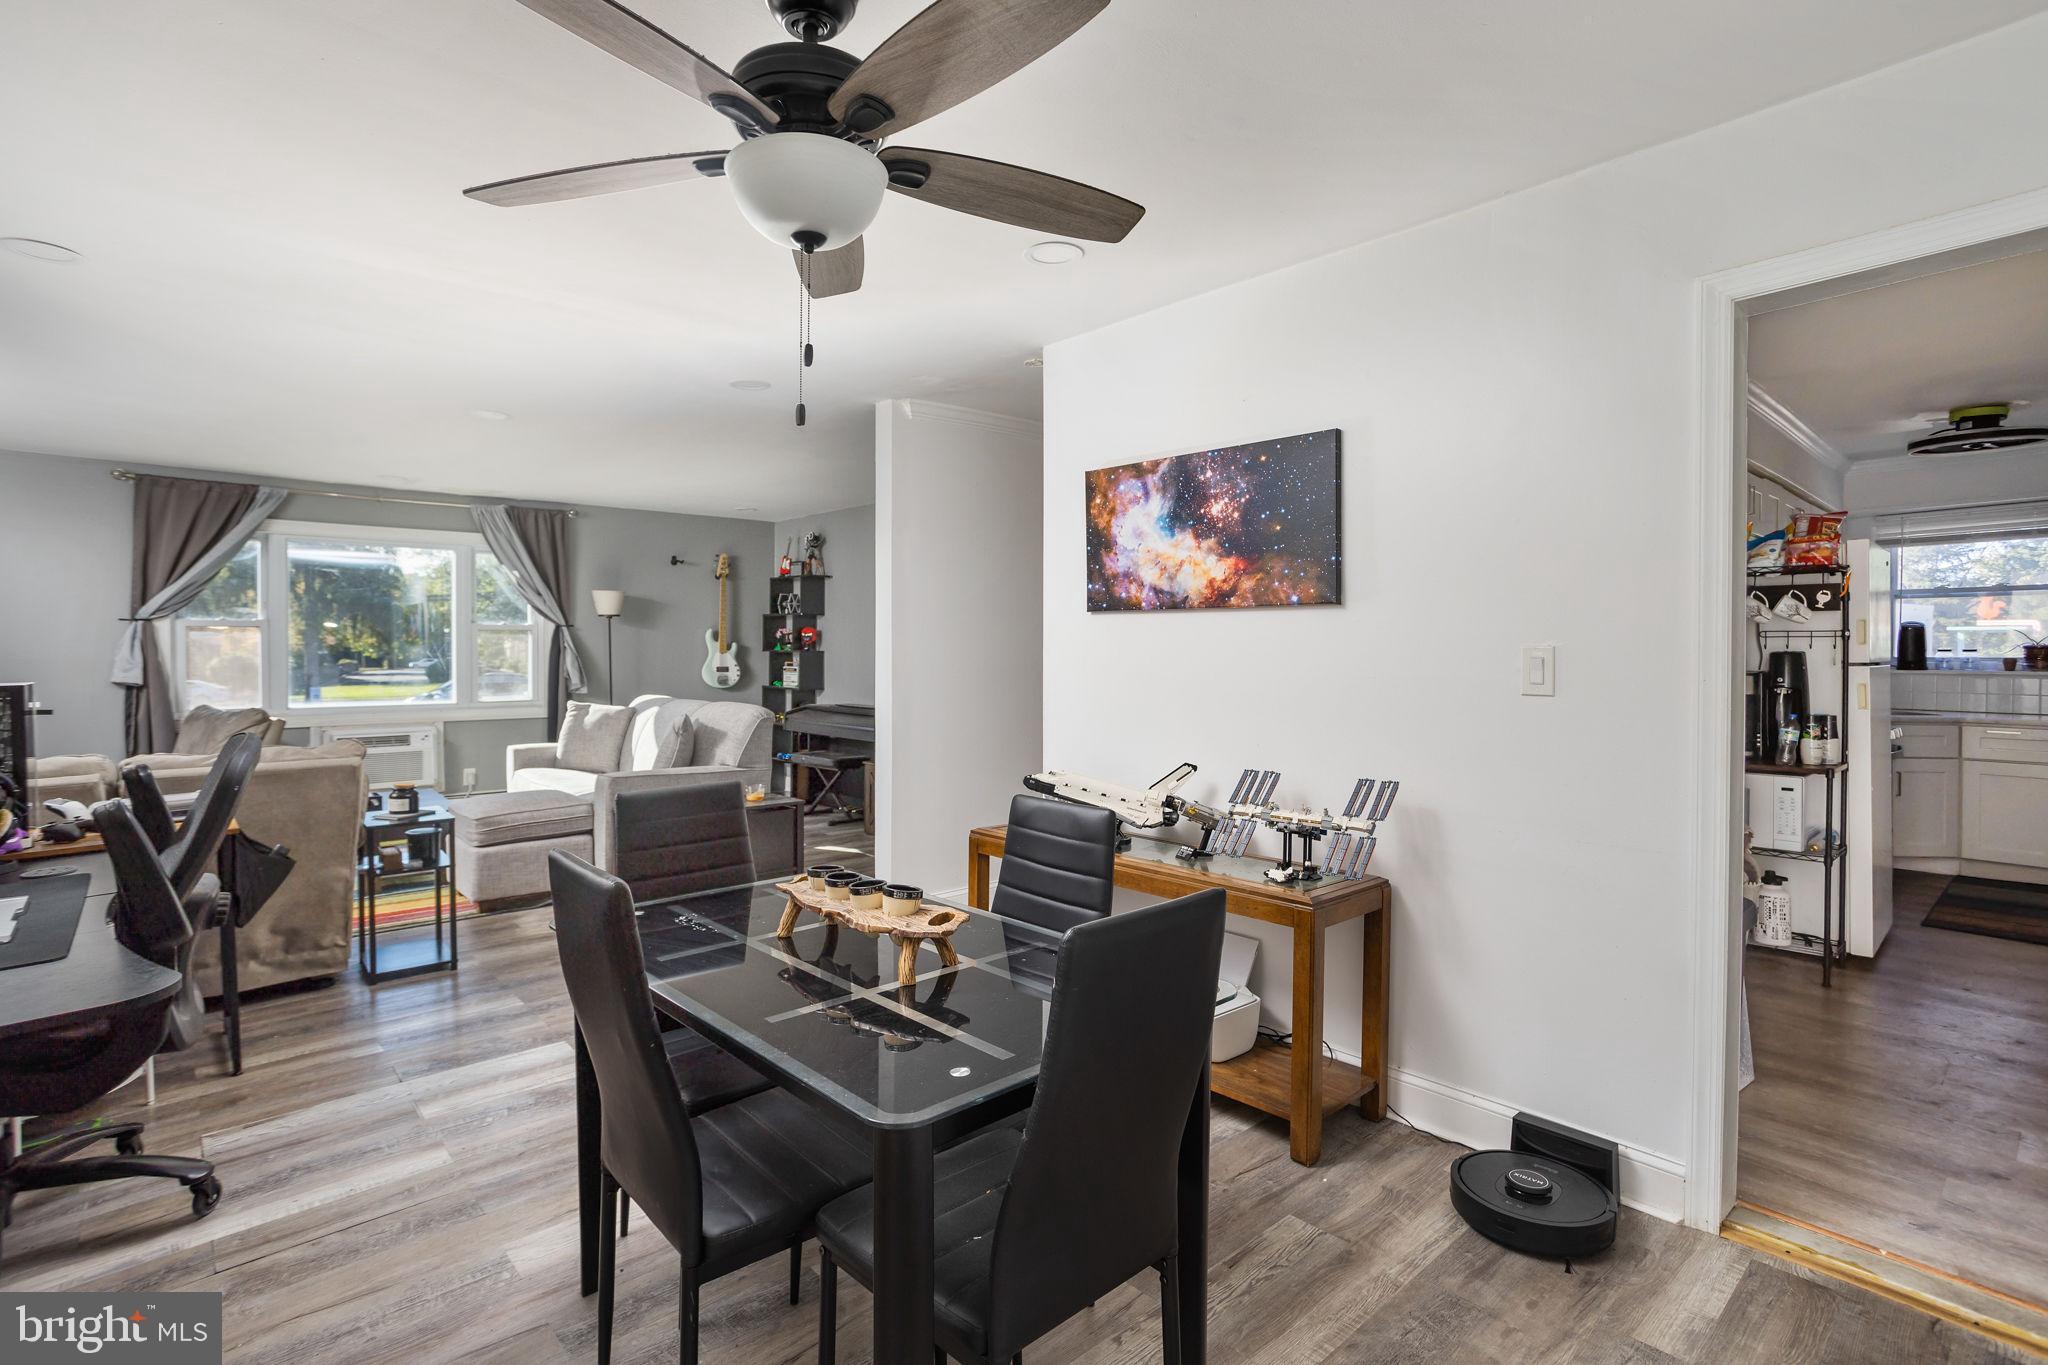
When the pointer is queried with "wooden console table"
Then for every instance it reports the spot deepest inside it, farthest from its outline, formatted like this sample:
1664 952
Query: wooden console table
1292 1081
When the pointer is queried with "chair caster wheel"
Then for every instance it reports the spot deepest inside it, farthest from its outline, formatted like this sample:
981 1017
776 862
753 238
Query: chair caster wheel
129 1146
205 1195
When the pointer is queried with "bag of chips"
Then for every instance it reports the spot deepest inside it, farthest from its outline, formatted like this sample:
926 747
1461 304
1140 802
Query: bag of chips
1813 540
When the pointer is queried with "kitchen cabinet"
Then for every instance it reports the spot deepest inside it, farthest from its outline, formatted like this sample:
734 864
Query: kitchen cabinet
2005 812
1927 807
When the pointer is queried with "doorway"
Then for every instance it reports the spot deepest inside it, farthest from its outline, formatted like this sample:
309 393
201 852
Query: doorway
1884 1113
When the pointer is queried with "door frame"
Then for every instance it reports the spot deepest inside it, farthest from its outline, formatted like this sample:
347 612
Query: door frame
1725 301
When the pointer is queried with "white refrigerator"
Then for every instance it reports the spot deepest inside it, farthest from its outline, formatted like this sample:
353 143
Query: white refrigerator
1868 737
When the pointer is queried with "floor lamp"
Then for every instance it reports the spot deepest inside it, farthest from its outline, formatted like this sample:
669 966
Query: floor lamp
610 604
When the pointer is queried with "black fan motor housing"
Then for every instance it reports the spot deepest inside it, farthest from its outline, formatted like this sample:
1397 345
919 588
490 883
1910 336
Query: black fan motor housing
1551 1193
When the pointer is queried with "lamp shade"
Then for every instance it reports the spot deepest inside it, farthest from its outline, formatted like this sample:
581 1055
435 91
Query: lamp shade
790 183
608 601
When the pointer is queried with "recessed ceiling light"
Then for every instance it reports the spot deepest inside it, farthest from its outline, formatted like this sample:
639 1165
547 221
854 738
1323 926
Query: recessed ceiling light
1054 253
746 509
490 415
39 251
751 385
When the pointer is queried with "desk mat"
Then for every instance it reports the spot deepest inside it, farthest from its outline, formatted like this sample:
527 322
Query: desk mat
46 927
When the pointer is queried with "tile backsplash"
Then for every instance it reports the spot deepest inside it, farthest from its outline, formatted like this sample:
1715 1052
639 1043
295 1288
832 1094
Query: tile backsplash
1997 694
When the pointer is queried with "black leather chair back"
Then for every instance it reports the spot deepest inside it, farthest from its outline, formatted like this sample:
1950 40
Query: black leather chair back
149 916
1057 862
213 810
152 812
1091 1202
647 1143
672 841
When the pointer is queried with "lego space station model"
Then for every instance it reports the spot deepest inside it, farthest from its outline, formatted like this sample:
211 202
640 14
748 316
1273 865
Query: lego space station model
1228 828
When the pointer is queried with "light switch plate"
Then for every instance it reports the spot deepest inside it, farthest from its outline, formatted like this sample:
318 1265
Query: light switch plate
1539 670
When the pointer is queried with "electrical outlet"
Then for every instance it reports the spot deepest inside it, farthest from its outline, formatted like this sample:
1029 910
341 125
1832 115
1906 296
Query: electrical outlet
469 779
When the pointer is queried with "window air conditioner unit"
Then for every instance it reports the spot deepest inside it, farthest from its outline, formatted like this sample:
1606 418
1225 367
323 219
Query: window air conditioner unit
396 753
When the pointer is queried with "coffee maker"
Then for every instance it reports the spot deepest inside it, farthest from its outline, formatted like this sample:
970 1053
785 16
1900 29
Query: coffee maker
1759 743
1786 682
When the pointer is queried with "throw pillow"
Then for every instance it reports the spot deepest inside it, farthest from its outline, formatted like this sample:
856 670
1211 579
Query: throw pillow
206 729
592 737
678 735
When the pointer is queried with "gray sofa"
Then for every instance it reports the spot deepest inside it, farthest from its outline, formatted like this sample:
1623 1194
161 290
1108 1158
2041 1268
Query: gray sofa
562 795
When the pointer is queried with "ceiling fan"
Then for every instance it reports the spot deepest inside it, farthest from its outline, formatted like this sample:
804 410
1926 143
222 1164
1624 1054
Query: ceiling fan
811 168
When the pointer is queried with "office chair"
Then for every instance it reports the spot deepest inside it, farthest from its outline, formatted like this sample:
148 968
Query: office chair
727 1188
1058 860
61 1070
1033 1227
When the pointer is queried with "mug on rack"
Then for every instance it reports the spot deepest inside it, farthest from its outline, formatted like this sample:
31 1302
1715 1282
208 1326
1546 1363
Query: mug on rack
1792 606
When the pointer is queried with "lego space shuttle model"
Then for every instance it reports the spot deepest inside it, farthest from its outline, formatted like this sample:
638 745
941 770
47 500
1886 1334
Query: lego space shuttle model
1229 828
1153 807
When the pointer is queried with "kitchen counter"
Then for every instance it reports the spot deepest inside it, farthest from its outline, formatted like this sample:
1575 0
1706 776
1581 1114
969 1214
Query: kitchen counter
1900 717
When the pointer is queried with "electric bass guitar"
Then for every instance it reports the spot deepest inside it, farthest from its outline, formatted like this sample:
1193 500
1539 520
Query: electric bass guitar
722 664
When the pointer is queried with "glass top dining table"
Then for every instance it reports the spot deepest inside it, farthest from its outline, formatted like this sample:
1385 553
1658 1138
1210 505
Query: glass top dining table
821 1011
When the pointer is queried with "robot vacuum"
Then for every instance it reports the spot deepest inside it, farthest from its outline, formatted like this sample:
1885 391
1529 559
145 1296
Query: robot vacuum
1551 1193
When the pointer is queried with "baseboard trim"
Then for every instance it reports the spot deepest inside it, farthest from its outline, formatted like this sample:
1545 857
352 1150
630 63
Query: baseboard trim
1650 1181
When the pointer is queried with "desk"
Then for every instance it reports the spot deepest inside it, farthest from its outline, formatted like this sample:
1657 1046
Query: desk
99 975
821 1013
1296 1082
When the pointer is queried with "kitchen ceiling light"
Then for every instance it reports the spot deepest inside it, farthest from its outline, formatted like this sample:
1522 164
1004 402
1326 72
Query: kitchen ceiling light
791 186
490 415
1975 429
39 251
1055 253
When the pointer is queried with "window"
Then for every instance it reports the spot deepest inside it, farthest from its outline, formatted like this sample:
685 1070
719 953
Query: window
1979 598
357 620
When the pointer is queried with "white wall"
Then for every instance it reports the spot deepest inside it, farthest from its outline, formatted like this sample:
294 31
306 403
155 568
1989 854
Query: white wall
957 604
1907 484
1518 391
1777 452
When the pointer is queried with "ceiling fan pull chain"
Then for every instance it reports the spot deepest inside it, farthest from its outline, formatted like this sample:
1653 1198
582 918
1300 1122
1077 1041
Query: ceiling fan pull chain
803 327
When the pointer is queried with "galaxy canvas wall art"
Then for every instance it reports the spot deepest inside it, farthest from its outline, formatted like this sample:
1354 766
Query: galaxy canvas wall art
1244 526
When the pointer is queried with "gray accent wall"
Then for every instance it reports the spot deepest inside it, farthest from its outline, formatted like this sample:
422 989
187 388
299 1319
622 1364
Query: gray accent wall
68 531
847 633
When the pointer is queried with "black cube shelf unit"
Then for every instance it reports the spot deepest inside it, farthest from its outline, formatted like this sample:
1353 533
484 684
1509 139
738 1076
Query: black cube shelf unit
803 594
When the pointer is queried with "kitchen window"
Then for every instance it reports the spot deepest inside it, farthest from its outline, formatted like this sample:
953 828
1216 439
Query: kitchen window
1980 599
323 623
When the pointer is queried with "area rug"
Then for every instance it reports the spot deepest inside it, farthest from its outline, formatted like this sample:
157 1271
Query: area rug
1978 905
401 907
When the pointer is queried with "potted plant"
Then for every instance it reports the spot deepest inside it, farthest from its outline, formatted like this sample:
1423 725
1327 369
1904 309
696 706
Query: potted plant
2034 653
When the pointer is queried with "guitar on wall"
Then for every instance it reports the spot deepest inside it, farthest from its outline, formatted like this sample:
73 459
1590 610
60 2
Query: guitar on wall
722 662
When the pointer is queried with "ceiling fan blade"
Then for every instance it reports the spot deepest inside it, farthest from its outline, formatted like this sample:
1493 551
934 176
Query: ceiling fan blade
952 51
835 272
634 40
1011 194
606 177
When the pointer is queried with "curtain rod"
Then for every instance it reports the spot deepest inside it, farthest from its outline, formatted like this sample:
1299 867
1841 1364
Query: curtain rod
129 476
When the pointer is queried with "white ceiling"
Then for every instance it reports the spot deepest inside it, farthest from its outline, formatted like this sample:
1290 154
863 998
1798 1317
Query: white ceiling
1863 370
280 276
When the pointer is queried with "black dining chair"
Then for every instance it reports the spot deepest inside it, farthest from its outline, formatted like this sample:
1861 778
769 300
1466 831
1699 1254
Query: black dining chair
729 1187
1032 1227
1058 860
60 1070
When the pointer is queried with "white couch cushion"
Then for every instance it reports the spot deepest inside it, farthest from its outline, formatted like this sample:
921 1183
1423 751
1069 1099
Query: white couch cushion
574 781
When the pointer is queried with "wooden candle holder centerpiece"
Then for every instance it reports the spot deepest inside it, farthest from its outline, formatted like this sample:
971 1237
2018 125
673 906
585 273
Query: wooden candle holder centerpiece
929 923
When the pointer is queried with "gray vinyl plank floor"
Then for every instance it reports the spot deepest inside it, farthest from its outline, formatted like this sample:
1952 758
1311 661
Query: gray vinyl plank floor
399 1169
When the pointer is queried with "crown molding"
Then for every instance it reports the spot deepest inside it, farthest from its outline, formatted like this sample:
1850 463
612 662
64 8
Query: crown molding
922 410
1795 430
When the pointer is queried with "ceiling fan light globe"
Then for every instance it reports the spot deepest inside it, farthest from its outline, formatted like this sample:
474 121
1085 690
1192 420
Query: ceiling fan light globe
791 183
